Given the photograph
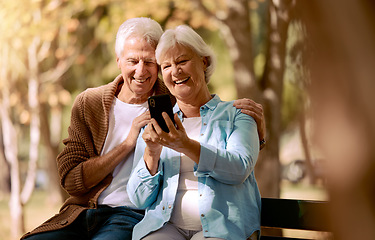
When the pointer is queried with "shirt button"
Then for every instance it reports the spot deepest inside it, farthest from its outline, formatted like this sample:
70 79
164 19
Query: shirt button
202 108
202 134
169 206
202 215
204 124
163 208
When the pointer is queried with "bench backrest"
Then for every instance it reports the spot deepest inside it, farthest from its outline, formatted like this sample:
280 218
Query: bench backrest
294 214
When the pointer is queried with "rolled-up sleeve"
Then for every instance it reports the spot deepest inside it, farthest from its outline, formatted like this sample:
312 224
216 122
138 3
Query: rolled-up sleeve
142 187
234 162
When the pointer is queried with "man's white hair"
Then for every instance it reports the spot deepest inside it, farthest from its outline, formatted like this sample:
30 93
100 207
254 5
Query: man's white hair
143 27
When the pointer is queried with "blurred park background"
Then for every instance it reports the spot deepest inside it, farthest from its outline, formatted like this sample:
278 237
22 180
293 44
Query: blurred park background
51 50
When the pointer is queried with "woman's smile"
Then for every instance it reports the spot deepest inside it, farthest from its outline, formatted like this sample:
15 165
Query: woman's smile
180 81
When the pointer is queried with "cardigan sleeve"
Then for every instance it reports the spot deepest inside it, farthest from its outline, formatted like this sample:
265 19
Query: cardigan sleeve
78 149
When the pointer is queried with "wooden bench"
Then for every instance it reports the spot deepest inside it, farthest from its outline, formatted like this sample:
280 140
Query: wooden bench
293 214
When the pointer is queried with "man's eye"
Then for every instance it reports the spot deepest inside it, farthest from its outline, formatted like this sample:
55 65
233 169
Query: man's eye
132 62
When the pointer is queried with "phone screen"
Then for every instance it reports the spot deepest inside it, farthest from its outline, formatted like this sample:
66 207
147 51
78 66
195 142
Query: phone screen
158 104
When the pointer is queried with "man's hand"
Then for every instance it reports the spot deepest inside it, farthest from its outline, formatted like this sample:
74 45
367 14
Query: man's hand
254 110
153 149
137 124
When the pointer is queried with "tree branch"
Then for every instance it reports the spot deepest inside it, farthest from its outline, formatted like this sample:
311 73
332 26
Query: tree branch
205 10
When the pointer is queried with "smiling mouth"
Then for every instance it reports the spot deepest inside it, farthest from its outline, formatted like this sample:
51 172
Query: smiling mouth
181 81
140 80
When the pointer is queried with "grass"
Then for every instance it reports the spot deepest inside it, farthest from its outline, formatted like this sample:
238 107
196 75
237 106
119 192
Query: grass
37 210
303 190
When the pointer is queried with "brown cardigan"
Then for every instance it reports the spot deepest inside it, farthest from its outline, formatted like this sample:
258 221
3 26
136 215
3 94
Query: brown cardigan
87 132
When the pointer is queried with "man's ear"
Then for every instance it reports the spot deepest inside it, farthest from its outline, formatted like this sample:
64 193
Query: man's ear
118 62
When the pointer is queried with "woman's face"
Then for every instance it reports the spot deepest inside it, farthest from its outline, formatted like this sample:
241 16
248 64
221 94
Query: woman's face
184 73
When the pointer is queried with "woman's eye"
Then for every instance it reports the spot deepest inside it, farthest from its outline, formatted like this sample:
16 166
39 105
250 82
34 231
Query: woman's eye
166 67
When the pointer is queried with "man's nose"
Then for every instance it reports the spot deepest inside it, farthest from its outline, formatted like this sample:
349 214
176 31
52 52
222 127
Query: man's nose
140 69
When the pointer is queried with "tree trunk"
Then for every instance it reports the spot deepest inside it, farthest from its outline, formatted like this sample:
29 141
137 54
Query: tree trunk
33 99
4 169
4 165
305 146
236 31
11 152
268 167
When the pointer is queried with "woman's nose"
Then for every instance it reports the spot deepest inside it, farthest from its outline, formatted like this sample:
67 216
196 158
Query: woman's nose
176 70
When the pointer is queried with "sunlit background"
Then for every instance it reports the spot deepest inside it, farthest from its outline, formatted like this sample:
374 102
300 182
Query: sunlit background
52 50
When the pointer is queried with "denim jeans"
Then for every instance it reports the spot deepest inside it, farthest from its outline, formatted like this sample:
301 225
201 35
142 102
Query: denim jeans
97 224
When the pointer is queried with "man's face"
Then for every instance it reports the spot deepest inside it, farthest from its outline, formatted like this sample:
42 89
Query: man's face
139 69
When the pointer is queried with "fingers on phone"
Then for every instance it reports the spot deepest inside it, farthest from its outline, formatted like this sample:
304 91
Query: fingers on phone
170 124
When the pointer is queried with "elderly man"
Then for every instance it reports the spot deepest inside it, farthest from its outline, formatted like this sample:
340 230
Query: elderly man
97 160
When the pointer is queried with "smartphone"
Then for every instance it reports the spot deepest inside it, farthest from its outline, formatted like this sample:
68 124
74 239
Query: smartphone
158 104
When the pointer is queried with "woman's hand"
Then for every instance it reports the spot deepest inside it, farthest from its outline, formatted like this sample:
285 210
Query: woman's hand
176 139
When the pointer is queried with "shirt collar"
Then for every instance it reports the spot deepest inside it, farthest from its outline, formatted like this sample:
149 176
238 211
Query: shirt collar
210 105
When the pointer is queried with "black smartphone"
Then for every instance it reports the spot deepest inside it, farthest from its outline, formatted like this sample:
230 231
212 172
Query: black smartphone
158 104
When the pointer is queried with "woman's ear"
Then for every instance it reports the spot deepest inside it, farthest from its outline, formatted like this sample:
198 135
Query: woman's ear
206 62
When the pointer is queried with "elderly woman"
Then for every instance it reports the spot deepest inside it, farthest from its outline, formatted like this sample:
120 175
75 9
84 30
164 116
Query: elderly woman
197 181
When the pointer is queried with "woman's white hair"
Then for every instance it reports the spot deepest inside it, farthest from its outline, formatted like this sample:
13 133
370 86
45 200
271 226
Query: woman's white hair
186 36
143 27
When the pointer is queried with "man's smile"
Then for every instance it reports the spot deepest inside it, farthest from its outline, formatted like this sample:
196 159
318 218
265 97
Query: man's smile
140 80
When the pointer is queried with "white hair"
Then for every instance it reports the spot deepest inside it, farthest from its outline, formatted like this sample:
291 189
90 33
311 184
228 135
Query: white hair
187 37
143 27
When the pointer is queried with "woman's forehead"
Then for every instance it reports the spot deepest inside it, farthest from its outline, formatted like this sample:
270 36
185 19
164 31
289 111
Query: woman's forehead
177 51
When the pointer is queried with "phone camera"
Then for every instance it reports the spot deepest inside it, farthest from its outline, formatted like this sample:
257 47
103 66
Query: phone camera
152 102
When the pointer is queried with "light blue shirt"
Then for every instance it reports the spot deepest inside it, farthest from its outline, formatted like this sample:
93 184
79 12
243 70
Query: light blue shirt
230 201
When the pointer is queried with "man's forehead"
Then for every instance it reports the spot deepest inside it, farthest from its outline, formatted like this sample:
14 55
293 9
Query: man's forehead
138 41
138 48
139 56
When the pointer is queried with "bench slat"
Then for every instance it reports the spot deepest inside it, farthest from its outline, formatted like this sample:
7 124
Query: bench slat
294 214
280 238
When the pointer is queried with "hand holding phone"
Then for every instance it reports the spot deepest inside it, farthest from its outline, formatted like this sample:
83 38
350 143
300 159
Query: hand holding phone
158 104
